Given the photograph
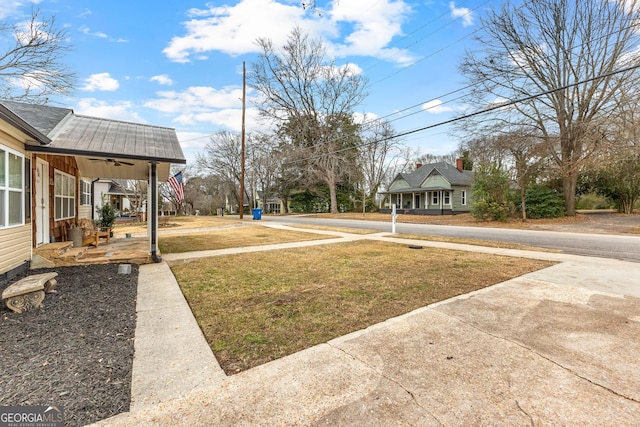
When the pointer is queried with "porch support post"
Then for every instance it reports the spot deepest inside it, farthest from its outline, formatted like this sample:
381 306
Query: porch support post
153 212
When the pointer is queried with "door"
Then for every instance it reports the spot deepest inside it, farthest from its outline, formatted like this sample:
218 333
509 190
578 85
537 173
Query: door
42 202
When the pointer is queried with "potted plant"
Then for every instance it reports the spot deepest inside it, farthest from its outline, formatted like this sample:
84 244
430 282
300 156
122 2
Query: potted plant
106 216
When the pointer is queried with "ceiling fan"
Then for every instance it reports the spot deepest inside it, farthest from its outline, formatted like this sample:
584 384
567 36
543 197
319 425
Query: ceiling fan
114 161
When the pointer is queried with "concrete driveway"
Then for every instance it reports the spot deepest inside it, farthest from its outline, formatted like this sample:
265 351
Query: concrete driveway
560 346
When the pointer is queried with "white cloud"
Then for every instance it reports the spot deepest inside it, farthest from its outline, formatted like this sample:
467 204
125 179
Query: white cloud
461 12
197 99
100 82
162 79
233 29
353 27
87 31
120 110
436 107
199 105
10 7
371 26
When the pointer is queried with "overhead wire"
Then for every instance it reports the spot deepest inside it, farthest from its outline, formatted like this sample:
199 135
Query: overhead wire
476 113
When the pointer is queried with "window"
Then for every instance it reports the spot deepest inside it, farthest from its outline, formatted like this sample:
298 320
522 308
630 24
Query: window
463 197
11 188
434 197
446 198
85 193
65 195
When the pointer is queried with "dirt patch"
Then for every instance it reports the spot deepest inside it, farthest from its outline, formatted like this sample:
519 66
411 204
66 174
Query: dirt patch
77 350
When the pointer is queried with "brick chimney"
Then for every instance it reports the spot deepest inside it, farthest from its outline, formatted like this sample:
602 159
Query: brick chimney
418 165
459 164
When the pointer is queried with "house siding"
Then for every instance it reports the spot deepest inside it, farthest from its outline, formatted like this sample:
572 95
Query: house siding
457 200
15 249
84 212
399 185
15 242
436 181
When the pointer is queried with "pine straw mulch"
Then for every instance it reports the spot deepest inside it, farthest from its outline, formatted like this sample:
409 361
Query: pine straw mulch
77 350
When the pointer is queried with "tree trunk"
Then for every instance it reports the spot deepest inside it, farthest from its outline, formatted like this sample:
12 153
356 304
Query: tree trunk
523 203
334 197
569 185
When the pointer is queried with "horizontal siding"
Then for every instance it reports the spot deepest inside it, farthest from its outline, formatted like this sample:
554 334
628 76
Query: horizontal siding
15 249
9 137
84 212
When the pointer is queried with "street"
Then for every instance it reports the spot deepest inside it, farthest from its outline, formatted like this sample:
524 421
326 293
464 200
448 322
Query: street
622 247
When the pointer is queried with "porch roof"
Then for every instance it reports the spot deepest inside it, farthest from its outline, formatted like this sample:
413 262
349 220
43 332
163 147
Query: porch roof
415 190
103 148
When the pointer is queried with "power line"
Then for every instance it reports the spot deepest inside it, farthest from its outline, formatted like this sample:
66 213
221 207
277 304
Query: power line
476 113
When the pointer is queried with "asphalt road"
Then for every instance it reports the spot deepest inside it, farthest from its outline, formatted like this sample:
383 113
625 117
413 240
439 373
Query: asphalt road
622 247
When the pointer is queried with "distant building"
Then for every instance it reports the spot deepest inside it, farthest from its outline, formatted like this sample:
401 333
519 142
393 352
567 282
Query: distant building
433 189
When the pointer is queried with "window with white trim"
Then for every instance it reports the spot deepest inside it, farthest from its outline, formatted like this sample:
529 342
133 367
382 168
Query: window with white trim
446 198
463 197
65 195
85 193
11 188
434 197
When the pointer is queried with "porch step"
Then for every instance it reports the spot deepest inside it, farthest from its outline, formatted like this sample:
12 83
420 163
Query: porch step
53 250
73 253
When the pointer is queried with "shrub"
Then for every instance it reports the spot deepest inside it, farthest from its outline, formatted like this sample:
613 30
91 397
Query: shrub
492 194
543 202
485 210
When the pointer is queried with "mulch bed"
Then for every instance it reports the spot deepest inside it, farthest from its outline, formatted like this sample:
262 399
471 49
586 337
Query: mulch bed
77 350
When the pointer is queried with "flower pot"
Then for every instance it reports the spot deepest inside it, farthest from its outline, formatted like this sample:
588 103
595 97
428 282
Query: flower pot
75 235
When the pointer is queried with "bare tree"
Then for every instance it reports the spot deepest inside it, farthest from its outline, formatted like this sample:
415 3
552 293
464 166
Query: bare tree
31 67
222 158
136 192
570 52
379 143
313 100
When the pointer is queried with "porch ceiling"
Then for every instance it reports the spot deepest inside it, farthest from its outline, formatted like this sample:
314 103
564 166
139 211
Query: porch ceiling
119 168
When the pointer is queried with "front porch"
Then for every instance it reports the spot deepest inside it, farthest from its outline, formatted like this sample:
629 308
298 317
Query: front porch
120 250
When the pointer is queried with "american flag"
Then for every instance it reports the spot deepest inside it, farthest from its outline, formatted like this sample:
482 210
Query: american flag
178 186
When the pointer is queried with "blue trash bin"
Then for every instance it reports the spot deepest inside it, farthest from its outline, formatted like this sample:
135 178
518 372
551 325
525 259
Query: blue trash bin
257 213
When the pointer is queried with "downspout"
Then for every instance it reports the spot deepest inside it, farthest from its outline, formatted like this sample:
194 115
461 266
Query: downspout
154 213
93 198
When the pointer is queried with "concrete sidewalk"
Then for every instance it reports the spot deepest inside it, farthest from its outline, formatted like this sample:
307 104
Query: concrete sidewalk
558 346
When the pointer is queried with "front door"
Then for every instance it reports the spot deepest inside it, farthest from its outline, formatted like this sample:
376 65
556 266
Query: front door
42 202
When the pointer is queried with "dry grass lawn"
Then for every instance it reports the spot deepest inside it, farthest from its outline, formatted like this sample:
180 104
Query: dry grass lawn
258 307
242 235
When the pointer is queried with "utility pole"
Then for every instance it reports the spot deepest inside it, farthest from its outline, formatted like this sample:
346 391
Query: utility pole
244 93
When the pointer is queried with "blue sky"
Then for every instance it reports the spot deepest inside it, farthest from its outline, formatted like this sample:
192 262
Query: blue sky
178 63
